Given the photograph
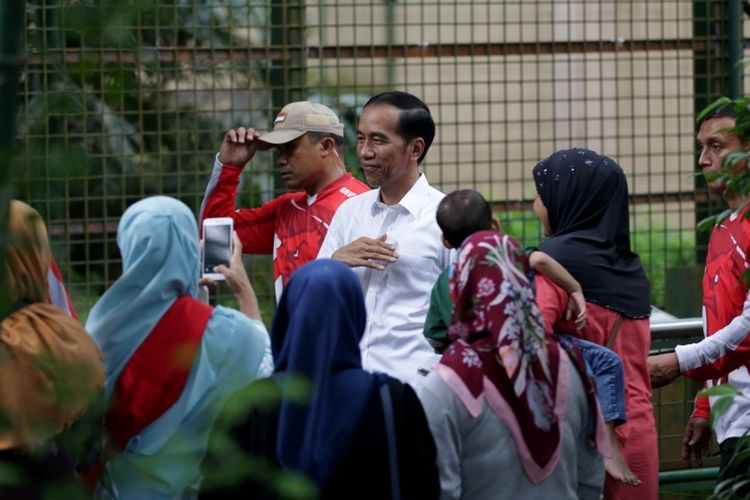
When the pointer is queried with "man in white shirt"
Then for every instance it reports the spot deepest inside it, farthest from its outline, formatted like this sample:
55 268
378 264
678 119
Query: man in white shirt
390 237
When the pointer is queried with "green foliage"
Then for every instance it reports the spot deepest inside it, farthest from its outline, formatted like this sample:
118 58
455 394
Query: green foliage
720 390
721 101
524 226
228 466
732 488
98 135
660 248
726 394
10 474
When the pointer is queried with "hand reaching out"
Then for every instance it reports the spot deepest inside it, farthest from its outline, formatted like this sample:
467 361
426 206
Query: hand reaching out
663 369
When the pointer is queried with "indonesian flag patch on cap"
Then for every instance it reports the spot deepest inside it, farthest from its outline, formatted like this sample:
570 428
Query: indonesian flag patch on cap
297 118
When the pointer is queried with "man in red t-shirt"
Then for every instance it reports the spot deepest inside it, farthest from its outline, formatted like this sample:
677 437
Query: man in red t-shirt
310 141
724 355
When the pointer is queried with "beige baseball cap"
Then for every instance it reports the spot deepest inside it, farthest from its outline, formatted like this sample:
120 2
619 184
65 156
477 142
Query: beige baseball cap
297 118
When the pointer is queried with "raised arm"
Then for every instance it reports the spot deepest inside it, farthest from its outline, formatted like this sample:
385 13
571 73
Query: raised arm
549 267
254 226
238 282
720 353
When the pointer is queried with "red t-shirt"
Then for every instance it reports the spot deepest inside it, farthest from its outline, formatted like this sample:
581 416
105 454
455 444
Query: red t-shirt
724 293
286 226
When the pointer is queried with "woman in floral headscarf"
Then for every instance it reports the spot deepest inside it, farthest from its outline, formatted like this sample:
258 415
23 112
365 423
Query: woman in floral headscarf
507 407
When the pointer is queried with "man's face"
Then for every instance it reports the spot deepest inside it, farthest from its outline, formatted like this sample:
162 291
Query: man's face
716 143
383 154
300 164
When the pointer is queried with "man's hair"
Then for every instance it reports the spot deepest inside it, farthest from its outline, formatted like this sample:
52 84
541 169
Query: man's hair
728 111
414 118
724 111
315 137
461 214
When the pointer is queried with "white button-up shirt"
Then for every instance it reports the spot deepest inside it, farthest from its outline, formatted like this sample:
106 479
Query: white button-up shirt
396 298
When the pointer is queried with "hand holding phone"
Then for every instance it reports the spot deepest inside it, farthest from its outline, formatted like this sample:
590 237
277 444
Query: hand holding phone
235 276
217 246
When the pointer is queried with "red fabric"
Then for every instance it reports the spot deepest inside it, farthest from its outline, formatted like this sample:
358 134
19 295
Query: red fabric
702 408
725 291
58 276
156 373
637 437
502 342
300 229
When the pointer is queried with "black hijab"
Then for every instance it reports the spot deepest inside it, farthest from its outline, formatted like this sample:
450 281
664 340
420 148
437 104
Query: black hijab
586 196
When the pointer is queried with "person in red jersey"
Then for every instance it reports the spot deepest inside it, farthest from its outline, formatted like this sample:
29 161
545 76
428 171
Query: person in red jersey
310 141
723 356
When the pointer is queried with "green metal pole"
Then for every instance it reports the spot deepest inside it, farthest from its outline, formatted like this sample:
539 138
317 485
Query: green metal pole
11 21
711 63
390 21
288 76
734 33
11 17
688 475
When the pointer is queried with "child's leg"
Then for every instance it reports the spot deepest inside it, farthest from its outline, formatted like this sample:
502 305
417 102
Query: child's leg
610 387
608 377
616 466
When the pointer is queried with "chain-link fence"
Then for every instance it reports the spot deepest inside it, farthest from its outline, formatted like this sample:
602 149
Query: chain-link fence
120 100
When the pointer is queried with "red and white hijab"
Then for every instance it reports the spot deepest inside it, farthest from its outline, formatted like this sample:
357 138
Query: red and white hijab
499 352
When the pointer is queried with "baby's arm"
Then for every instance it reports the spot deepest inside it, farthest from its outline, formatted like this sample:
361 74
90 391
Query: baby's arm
542 263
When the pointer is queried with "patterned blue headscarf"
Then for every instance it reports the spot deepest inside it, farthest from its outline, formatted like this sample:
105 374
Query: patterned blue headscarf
316 332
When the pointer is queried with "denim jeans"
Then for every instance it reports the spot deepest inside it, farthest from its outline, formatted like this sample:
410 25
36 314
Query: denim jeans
606 369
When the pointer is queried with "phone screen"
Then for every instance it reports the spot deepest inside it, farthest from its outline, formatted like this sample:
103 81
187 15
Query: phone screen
216 246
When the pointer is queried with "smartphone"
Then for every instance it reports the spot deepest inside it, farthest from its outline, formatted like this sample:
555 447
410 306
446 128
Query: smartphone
217 245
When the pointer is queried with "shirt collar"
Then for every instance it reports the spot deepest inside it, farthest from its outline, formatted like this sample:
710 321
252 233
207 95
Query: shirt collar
413 199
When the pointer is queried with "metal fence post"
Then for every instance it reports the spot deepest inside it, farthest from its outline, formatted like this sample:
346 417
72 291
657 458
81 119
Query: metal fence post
11 17
734 11
715 24
288 76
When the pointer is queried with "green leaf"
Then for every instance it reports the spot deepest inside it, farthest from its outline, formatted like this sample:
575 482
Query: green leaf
712 220
720 390
721 101
294 486
719 407
735 157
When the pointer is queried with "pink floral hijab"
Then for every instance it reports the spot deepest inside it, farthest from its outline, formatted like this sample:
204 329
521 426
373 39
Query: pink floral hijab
499 352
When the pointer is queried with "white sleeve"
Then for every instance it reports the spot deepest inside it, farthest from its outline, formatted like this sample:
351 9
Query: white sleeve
334 236
710 349
266 364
